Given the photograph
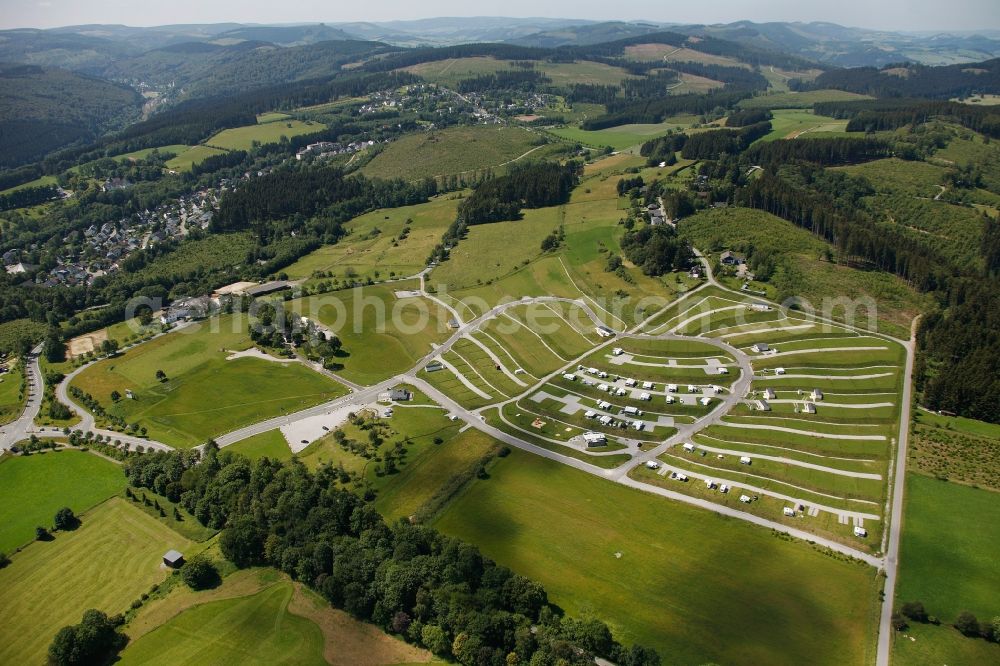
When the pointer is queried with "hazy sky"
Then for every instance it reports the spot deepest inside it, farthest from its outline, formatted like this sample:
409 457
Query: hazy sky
885 14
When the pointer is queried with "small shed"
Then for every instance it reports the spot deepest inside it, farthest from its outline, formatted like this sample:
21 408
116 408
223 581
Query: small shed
173 559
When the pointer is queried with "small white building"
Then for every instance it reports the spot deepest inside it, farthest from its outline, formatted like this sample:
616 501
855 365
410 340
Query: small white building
769 394
706 401
631 411
605 332
652 464
647 385
760 348
645 396
788 511
745 499
710 484
569 377
602 375
860 531
816 395
692 388
605 420
689 447
621 392
595 438
723 488
630 382
779 371
681 476
745 460
638 425
672 388
589 414
617 351
603 387
670 399
760 307
603 405
808 408
593 371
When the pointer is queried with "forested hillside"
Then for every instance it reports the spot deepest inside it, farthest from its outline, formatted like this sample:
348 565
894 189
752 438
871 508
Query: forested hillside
43 109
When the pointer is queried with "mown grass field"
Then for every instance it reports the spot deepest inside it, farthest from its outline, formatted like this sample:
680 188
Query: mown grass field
374 245
243 138
258 629
450 151
693 585
33 488
204 395
106 563
38 182
175 148
948 550
381 335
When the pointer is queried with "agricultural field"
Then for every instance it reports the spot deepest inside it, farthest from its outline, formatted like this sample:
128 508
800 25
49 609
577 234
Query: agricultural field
588 541
244 138
277 621
193 155
668 53
800 268
955 449
205 393
947 560
20 332
373 247
382 335
33 488
106 563
799 100
450 72
798 123
451 151
620 137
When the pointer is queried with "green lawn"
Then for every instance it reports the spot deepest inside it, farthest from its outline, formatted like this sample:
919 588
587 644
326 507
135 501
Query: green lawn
258 629
204 395
271 444
38 182
112 558
33 488
373 244
243 138
948 550
450 151
175 148
382 335
696 586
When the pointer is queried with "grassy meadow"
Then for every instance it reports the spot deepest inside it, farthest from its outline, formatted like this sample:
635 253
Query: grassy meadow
106 563
11 397
450 72
450 151
381 335
620 137
243 138
271 444
33 488
796 123
205 394
947 553
706 588
373 244
799 100
193 155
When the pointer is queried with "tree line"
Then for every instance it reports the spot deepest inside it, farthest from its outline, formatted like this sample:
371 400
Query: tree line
916 81
709 145
431 590
890 114
529 185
